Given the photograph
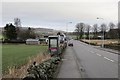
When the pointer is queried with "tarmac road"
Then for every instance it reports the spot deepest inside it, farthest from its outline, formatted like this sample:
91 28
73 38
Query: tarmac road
96 63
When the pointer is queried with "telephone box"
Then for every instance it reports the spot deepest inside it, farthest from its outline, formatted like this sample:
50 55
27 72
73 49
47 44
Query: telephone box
53 45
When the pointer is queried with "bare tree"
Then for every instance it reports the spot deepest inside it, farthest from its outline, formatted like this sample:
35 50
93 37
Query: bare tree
80 30
95 30
111 26
118 32
17 22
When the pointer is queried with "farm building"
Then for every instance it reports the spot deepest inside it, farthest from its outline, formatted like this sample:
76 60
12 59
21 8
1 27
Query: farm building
32 41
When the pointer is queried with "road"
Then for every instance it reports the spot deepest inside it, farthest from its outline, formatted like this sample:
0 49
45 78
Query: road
95 63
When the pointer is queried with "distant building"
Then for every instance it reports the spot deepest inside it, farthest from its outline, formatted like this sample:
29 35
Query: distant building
32 41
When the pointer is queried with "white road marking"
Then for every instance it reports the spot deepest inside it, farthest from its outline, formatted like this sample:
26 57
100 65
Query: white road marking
109 59
92 52
110 53
99 55
104 57
112 60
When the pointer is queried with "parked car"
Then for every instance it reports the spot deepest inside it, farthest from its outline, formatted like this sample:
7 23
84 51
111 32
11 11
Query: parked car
70 44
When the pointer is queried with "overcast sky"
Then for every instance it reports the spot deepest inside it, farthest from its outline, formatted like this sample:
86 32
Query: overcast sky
58 14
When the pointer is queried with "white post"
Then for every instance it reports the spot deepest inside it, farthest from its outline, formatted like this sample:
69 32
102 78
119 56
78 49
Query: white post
67 27
84 33
89 34
89 37
103 34
103 40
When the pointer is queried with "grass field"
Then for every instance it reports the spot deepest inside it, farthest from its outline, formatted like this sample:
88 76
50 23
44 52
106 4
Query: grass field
0 59
107 41
17 55
1 36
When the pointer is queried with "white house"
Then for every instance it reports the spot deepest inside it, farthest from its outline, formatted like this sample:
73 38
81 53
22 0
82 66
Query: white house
32 41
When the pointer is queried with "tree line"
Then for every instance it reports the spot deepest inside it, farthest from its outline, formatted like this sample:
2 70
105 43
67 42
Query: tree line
11 32
110 31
